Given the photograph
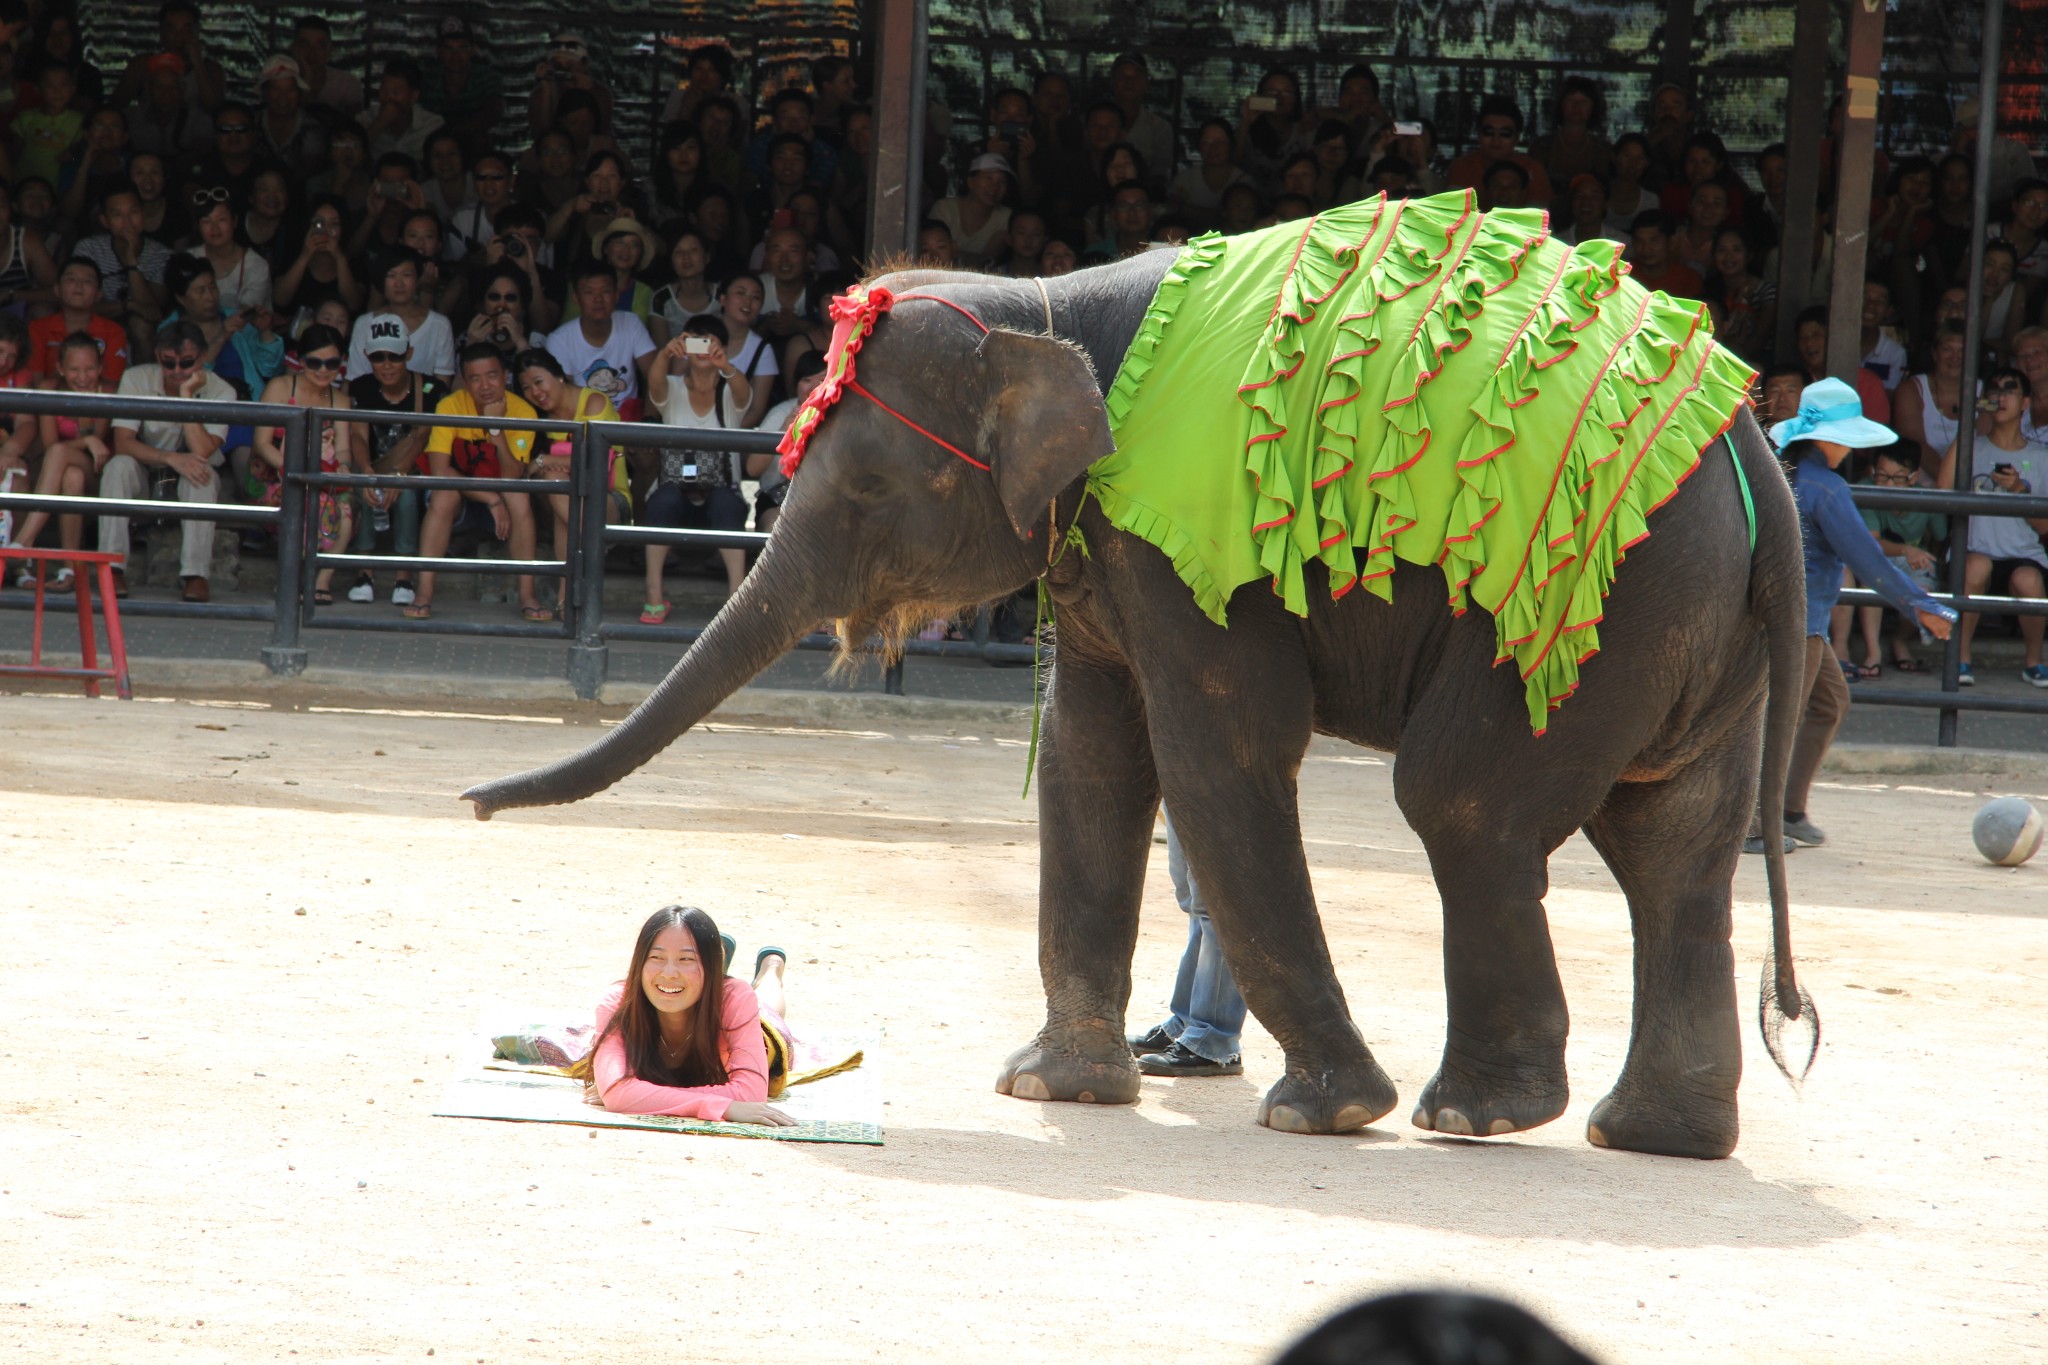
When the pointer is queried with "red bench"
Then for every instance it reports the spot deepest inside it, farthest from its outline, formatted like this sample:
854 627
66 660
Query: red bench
91 566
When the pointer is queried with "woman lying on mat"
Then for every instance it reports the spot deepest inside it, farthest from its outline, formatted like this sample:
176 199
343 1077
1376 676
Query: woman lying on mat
678 1036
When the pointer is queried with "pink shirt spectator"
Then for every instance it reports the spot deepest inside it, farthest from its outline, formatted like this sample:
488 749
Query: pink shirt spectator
740 1045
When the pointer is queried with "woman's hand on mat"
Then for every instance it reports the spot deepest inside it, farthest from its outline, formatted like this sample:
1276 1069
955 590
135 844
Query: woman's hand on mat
745 1111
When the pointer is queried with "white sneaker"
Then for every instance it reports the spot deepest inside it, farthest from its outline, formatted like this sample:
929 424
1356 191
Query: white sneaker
401 596
363 591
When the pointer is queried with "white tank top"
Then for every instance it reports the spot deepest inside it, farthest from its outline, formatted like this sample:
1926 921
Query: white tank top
1939 426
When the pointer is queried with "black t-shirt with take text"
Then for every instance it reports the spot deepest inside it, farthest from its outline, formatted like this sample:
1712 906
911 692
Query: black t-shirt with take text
366 392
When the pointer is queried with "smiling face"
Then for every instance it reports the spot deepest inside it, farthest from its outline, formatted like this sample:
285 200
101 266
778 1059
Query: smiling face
423 234
2030 358
1057 259
216 225
1731 255
1813 345
81 367
543 390
1709 206
672 978
268 195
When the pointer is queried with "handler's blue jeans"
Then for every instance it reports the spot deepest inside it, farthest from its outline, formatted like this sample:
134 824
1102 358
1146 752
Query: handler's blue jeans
1208 1012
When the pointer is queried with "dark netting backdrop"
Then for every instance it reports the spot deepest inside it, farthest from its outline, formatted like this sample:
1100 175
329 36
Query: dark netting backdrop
1436 57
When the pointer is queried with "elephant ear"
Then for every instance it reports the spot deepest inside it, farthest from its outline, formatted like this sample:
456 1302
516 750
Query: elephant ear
1044 425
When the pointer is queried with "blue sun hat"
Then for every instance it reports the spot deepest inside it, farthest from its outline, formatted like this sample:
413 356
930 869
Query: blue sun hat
1829 410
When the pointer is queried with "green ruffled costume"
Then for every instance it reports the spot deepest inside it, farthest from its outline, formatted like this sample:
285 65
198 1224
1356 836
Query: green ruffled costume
1414 380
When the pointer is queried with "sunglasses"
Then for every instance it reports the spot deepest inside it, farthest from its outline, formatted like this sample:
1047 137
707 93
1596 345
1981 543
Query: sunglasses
567 45
314 362
217 195
230 129
177 364
1496 130
501 298
2003 386
490 175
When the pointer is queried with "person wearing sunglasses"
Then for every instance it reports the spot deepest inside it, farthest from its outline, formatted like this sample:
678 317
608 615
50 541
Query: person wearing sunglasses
193 450
474 222
317 384
2005 554
501 321
237 153
1500 128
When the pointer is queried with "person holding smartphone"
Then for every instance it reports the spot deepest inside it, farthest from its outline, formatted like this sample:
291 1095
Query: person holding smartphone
2005 554
695 384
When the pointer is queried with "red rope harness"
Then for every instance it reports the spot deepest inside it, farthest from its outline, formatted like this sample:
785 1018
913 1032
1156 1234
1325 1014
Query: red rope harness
854 315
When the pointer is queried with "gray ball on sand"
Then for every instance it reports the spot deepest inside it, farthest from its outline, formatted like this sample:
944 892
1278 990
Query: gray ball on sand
2007 830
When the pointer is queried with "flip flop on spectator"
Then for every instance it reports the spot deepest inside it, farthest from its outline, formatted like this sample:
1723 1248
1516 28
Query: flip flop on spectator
653 613
1909 666
1848 670
417 611
765 954
1867 672
537 612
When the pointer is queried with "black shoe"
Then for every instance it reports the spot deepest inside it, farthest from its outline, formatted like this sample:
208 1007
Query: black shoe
1156 1040
1181 1061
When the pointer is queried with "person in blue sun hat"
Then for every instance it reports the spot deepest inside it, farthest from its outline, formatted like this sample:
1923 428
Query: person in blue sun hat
1814 442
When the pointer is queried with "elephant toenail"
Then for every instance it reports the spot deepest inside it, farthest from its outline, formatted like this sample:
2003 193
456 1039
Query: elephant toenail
1499 1126
1086 1097
1286 1118
1451 1121
1420 1118
1029 1087
1595 1136
1352 1116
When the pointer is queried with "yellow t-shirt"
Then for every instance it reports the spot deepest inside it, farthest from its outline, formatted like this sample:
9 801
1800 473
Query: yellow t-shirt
471 449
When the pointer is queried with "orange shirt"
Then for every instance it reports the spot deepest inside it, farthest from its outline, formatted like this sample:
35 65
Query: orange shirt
45 335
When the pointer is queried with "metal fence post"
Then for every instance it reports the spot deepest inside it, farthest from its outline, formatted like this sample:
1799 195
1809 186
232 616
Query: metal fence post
284 656
1973 342
589 656
892 677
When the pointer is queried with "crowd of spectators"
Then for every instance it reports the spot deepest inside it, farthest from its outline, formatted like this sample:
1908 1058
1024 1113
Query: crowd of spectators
204 236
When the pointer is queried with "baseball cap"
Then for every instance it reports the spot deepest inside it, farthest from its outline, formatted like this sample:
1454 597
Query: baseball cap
281 65
990 161
387 335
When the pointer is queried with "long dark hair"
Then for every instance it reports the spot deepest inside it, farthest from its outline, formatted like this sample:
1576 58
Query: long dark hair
638 1025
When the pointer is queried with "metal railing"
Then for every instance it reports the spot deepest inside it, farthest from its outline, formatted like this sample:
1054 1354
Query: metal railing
1959 506
300 558
584 627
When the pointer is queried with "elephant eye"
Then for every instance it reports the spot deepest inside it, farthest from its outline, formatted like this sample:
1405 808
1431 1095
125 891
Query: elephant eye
870 487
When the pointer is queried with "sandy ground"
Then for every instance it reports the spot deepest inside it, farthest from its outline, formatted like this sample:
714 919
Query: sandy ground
218 1145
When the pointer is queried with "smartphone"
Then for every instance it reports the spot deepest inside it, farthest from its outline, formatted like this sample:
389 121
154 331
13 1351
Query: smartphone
1407 130
605 208
2001 469
689 471
1262 104
391 189
1010 131
696 345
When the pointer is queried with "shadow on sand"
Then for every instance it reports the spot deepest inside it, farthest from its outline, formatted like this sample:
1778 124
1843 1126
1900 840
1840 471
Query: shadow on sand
1499 1188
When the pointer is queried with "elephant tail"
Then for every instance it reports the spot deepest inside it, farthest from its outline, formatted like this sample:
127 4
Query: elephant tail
1778 602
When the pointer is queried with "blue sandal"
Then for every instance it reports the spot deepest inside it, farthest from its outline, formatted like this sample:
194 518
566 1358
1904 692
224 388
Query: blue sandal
764 955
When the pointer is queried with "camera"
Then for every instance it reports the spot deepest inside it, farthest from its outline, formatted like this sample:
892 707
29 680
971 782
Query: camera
696 345
391 189
1407 130
502 339
1262 104
515 245
605 207
1011 131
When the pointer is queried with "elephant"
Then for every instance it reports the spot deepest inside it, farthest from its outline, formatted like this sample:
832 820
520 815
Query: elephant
964 478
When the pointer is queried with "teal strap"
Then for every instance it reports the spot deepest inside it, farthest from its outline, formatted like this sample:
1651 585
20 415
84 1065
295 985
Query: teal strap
1748 502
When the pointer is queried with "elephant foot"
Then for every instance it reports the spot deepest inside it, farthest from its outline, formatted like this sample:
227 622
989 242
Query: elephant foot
1343 1099
1697 1125
1470 1099
1076 1064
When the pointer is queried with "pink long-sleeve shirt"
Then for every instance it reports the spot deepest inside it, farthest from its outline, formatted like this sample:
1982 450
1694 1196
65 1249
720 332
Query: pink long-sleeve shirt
739 1044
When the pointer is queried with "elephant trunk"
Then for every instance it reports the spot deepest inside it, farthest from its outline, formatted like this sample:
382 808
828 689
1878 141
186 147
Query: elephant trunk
756 627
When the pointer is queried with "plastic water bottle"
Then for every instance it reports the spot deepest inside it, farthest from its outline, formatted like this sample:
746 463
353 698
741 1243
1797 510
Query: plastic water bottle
7 513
